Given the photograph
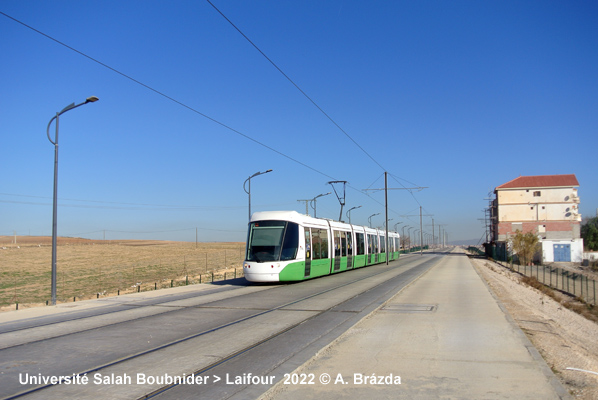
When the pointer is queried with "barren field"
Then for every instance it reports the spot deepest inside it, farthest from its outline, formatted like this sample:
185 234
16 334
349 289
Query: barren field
92 268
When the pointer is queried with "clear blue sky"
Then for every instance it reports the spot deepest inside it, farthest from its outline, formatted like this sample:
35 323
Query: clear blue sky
455 96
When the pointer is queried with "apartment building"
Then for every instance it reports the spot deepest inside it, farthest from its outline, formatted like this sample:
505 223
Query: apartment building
547 205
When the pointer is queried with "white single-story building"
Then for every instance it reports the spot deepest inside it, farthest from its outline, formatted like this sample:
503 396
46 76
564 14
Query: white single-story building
570 250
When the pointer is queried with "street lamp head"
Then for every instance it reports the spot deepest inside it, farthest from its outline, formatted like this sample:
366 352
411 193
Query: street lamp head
91 99
268 171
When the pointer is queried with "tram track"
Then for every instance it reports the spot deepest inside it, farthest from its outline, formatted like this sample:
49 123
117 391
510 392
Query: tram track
307 314
100 324
282 364
116 308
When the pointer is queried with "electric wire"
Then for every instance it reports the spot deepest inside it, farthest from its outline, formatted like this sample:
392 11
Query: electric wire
222 124
120 205
296 86
310 99
207 116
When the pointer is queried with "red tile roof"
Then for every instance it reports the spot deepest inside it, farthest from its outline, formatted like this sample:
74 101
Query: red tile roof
540 181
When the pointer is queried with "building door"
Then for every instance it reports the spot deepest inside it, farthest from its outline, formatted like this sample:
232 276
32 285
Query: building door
562 253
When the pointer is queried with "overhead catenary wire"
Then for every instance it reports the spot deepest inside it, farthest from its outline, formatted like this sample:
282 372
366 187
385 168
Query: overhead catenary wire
310 99
222 124
190 108
296 85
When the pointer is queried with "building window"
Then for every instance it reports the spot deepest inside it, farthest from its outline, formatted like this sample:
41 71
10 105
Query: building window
537 194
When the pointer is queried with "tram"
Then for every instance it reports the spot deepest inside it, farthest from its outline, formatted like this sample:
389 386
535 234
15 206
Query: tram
289 246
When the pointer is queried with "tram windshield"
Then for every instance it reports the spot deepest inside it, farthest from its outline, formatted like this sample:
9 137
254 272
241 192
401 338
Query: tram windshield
272 241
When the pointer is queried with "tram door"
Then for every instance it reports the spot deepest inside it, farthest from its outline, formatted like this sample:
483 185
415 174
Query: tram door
337 250
307 251
349 250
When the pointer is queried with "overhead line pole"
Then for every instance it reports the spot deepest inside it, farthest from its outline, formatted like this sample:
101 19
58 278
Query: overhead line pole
386 211
306 203
421 233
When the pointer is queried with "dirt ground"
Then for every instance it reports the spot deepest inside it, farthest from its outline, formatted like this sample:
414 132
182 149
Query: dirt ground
90 268
564 338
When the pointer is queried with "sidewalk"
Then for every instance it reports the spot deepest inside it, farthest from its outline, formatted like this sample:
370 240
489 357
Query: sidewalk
444 336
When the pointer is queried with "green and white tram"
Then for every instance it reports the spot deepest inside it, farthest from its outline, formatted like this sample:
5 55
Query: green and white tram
288 246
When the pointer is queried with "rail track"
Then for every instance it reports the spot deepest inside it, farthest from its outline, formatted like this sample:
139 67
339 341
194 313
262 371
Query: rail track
210 331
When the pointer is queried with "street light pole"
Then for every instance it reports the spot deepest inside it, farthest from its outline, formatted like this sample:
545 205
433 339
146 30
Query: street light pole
55 197
249 191
349 213
314 201
370 218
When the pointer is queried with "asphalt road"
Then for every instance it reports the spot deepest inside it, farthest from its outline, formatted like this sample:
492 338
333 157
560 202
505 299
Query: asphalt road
228 340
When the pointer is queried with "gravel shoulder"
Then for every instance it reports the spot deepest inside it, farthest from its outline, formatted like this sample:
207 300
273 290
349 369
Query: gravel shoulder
564 338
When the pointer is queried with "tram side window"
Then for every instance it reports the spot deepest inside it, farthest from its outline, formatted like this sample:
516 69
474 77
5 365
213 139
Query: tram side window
319 239
337 244
349 244
375 242
360 243
343 244
382 244
291 242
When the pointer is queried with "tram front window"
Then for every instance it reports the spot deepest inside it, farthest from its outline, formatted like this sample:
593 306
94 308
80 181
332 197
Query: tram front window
272 241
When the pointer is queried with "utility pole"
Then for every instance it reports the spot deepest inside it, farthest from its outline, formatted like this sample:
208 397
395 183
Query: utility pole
306 203
421 233
386 189
386 211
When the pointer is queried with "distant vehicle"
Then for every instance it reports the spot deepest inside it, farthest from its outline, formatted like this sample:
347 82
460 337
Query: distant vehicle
288 246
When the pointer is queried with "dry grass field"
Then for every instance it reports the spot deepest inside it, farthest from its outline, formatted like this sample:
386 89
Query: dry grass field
88 268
